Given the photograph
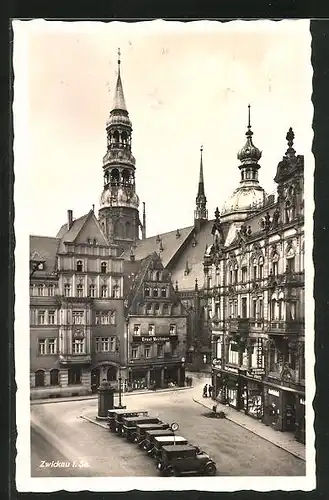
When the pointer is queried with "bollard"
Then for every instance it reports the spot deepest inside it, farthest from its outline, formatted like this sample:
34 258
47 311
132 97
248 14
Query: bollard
105 399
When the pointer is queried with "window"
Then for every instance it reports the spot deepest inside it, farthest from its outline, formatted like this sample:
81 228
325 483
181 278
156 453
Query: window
54 377
261 311
51 346
155 292
233 354
254 308
147 291
147 351
78 346
79 266
231 276
275 268
280 307
235 310
74 376
159 350
148 308
67 290
104 291
80 290
272 358
134 352
254 272
157 276
78 317
163 292
291 265
244 307
103 267
115 292
157 308
274 309
41 317
165 309
51 290
244 274
112 344
235 275
172 330
137 329
41 290
51 317
113 317
105 344
111 374
92 291
42 346
39 378
151 329
260 271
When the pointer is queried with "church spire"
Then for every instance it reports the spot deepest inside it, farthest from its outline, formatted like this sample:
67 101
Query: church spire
201 212
119 102
249 156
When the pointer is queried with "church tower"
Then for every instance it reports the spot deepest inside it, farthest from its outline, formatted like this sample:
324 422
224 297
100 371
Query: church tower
201 212
118 213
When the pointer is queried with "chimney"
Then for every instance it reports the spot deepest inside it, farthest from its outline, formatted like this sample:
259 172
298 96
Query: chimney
69 219
144 222
93 208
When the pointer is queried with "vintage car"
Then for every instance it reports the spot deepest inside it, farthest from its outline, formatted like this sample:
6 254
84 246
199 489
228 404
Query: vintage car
142 428
161 441
129 425
148 442
119 415
185 459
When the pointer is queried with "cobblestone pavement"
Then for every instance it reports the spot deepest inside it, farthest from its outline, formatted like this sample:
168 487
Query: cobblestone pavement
236 451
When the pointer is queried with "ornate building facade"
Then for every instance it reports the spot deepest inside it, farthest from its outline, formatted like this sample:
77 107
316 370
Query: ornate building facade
254 281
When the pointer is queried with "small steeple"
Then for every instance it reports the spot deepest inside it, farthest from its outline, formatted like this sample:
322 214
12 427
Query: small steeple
119 102
201 212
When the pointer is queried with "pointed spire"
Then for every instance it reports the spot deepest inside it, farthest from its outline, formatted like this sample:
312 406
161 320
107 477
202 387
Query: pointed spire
201 180
119 98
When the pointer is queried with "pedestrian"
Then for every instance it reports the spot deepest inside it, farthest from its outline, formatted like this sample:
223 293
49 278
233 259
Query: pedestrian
205 391
210 389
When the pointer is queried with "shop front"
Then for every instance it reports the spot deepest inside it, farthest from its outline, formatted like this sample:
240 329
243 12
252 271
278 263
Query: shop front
300 418
280 408
255 403
138 379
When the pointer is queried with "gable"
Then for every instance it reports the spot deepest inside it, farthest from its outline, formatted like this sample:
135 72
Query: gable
90 231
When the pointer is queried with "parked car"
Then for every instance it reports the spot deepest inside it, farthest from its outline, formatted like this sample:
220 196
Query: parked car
161 441
142 428
185 459
119 415
129 425
148 442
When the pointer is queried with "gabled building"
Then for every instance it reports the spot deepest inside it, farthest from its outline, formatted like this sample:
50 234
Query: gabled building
76 309
156 325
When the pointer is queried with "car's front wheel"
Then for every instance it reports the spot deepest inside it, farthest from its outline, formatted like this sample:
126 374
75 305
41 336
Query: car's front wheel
210 469
170 471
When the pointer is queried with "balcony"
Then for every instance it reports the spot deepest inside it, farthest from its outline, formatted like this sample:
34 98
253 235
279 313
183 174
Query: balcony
291 327
289 278
74 359
238 325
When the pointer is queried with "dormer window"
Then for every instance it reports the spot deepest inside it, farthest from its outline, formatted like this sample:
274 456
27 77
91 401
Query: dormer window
163 292
79 266
103 267
147 291
155 292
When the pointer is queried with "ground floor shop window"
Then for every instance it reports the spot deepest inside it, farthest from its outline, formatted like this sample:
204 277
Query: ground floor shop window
54 377
255 404
74 376
232 397
39 378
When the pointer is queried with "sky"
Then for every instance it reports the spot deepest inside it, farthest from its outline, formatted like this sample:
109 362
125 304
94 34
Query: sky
185 85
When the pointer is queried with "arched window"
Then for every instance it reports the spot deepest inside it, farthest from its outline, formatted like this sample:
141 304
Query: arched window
41 289
103 267
124 137
39 378
79 290
155 292
116 136
104 291
147 291
79 266
115 292
157 276
111 374
51 290
125 176
54 377
115 176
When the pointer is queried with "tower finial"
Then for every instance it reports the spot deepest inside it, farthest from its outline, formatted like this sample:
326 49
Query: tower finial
249 126
119 60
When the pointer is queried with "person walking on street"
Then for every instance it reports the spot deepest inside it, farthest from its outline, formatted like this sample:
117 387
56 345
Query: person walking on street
210 389
205 391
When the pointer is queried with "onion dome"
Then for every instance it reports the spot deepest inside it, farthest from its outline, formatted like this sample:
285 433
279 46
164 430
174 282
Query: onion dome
249 153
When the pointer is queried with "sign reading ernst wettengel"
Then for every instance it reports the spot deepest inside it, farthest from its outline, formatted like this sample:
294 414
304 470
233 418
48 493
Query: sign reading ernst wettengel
154 338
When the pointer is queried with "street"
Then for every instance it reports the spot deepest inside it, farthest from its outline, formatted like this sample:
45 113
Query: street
80 448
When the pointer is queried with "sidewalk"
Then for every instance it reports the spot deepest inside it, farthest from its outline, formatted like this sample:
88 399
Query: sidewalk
284 440
94 396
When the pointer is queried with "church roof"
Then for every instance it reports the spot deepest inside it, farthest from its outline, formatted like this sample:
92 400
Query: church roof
44 249
69 235
169 242
189 265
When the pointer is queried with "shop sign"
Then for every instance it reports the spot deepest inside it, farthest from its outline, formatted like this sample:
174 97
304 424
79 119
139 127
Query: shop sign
154 338
253 375
257 371
302 401
230 369
273 392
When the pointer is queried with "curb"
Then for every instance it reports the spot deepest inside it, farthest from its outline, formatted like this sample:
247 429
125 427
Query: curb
84 417
297 455
94 396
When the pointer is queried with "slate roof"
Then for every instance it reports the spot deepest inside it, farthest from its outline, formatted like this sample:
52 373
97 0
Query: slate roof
169 241
44 248
193 255
70 235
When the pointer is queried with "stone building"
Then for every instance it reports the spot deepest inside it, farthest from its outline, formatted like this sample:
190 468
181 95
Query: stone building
76 309
254 282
